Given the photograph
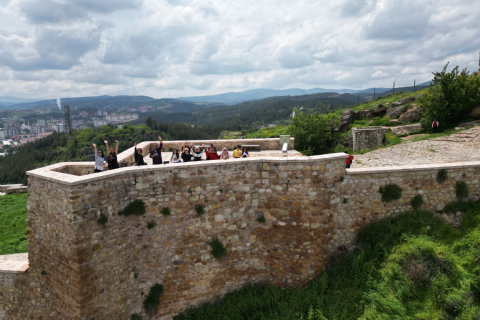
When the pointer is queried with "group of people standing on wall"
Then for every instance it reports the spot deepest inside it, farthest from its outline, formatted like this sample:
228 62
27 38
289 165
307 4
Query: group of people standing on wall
186 153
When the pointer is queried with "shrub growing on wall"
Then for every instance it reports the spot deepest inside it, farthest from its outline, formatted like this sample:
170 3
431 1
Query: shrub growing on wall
417 202
102 220
390 192
136 208
135 317
199 209
442 175
151 225
461 190
152 300
165 211
261 219
218 250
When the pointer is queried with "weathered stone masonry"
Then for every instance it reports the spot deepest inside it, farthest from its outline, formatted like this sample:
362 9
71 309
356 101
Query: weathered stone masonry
81 270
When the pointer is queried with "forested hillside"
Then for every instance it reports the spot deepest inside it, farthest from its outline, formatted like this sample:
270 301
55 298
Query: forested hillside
261 111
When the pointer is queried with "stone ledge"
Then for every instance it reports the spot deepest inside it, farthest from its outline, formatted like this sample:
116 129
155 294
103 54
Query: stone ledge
423 167
14 263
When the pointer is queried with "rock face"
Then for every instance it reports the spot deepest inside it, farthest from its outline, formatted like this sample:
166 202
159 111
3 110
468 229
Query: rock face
475 112
413 114
403 102
346 119
361 114
379 110
392 112
406 129
368 138
394 121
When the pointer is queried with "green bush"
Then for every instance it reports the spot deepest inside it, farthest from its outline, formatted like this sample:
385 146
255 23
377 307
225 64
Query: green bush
451 98
151 225
417 202
165 211
102 220
390 192
218 250
315 133
442 175
136 208
152 300
135 317
261 219
200 210
461 190
454 304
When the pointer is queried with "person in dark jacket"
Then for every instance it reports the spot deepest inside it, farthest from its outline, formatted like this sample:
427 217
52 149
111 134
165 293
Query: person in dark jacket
348 161
112 157
139 156
156 152
186 155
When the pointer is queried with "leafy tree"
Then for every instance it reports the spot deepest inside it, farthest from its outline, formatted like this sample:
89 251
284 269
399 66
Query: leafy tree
315 133
451 97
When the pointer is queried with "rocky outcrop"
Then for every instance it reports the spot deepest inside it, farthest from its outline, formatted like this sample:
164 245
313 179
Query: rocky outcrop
394 121
361 114
413 114
392 112
469 124
346 119
379 110
475 112
402 102
400 130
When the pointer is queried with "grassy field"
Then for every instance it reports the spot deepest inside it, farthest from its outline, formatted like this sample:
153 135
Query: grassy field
13 225
413 266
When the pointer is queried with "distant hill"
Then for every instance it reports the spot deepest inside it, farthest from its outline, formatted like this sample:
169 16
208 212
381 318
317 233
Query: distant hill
6 101
265 110
231 98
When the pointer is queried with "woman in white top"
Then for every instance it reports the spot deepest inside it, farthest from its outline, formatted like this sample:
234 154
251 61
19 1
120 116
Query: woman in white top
224 155
175 156
99 159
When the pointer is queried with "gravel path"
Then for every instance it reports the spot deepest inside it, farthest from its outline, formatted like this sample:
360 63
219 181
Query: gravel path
460 147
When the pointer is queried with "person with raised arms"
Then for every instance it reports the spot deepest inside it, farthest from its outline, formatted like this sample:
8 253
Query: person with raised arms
156 152
99 159
112 156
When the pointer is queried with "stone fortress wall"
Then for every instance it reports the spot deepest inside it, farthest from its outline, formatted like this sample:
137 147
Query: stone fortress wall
312 205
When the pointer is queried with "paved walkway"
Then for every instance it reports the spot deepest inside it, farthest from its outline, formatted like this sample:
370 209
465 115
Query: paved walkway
460 147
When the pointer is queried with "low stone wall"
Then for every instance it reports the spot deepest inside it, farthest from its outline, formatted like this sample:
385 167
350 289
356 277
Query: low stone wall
368 138
312 206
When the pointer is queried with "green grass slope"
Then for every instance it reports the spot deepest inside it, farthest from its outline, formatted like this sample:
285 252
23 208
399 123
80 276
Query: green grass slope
13 223
413 266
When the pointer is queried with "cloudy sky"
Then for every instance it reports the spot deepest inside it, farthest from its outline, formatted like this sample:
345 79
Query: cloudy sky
172 48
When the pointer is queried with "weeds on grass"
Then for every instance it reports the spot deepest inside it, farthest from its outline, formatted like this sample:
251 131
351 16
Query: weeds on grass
218 250
390 192
136 208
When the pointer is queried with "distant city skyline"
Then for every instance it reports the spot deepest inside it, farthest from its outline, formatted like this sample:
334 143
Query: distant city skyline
179 48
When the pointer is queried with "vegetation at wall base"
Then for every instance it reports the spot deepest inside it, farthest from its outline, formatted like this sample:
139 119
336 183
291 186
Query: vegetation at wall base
442 175
165 211
461 190
200 210
413 266
102 220
151 224
135 317
218 250
13 223
417 202
136 208
152 300
390 192
261 219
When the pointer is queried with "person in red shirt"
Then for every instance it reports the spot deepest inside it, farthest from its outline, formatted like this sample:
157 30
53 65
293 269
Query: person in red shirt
348 161
435 125
212 154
